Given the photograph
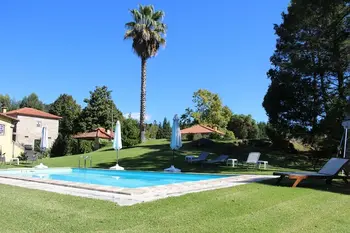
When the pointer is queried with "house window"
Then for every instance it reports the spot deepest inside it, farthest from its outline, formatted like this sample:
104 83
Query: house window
49 137
26 136
38 124
2 129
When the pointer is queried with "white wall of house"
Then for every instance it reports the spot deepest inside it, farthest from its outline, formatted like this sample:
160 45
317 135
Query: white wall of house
29 129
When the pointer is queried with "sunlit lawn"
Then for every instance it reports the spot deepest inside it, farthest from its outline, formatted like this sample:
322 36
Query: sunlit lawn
156 155
259 207
246 208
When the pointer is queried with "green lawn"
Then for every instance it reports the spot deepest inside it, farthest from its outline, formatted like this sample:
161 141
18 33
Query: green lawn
156 155
258 207
246 208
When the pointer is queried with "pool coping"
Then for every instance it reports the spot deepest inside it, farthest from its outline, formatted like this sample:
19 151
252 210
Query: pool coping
125 196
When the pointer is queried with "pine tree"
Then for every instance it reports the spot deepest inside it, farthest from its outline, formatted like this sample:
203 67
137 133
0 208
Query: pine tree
166 129
100 110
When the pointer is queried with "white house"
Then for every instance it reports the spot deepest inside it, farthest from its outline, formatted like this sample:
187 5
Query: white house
30 124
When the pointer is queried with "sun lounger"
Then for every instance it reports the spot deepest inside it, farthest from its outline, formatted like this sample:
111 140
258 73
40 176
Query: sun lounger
202 157
328 172
253 159
220 159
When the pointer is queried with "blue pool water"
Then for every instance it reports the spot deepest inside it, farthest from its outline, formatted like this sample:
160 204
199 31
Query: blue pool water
125 179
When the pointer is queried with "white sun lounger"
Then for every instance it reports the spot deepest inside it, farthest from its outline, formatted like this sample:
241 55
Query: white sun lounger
328 172
220 159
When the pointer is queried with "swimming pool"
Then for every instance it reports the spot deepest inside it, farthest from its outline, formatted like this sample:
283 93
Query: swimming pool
123 179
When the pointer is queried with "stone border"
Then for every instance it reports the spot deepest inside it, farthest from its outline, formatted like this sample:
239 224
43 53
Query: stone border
129 196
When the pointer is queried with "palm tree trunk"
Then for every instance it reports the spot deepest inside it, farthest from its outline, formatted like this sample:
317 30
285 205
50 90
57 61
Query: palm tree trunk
143 100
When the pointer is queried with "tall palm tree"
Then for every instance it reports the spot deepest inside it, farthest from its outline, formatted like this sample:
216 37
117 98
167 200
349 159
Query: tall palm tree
147 32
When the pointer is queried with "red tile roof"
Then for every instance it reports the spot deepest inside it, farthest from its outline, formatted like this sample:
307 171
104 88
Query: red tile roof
9 117
32 112
97 133
200 129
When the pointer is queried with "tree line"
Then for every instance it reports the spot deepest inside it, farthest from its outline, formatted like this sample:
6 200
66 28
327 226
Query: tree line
100 111
210 111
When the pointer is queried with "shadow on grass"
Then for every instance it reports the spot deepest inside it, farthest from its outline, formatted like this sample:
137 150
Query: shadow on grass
161 157
337 186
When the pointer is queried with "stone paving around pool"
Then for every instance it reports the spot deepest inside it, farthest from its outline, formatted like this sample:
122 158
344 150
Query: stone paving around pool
129 196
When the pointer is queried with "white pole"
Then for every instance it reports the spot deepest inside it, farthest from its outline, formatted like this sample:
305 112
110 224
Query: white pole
345 141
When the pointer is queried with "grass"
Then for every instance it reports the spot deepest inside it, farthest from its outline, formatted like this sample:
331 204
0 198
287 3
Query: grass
156 155
246 208
258 207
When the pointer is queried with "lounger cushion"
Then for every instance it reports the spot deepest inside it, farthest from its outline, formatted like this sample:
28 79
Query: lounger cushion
333 166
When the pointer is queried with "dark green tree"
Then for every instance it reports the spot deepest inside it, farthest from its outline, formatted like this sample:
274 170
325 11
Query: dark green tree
66 107
100 110
130 132
160 132
166 129
243 127
8 102
32 101
310 70
61 146
152 130
147 34
262 126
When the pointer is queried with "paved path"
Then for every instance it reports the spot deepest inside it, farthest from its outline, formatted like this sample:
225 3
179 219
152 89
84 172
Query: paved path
129 196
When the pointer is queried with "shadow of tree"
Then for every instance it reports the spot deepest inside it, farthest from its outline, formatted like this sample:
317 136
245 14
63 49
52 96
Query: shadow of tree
337 186
161 157
301 160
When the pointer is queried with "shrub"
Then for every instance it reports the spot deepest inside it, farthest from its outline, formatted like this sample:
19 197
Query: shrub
104 142
229 135
22 156
130 132
189 137
197 137
44 154
215 136
85 146
74 147
61 146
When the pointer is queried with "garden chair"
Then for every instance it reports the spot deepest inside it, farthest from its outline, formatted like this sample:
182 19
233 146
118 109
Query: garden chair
253 159
202 157
218 160
328 172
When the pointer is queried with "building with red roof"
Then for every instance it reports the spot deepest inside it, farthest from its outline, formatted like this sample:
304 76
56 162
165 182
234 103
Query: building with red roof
32 112
99 133
28 129
200 129
96 135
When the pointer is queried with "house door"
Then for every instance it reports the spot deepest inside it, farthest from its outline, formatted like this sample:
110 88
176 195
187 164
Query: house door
37 145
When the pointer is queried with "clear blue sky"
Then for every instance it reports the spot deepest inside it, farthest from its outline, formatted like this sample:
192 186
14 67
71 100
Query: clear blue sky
54 47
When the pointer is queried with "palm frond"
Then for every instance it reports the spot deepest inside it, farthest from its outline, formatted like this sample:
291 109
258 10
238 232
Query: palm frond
147 31
162 41
158 15
129 34
130 25
160 28
136 15
147 10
